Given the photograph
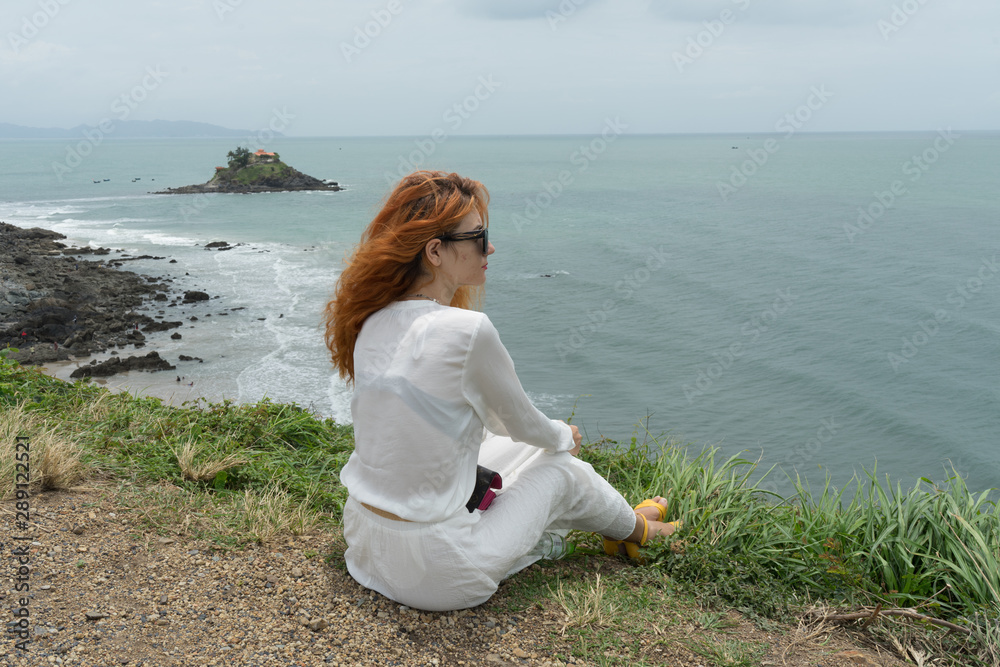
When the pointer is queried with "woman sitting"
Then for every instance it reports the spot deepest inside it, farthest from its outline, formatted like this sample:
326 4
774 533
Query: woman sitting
435 394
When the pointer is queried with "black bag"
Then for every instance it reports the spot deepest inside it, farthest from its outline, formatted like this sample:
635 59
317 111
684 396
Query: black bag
482 494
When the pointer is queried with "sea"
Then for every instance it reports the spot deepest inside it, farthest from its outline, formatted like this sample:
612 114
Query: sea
827 304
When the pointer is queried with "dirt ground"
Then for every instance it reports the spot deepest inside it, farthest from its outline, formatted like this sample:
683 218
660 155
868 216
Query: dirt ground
104 591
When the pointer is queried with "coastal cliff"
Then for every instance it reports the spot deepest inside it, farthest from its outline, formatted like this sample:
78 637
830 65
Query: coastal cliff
248 173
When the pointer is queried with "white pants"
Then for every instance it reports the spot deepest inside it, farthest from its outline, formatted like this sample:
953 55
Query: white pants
459 562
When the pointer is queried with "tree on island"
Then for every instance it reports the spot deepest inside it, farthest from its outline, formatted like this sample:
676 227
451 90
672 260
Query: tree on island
238 158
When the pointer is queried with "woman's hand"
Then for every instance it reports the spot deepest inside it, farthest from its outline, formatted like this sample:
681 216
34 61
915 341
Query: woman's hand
577 439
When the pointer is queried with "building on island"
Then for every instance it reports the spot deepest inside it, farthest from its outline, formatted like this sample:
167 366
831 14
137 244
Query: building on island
263 157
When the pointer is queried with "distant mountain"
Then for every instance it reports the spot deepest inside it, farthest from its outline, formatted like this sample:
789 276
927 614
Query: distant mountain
152 129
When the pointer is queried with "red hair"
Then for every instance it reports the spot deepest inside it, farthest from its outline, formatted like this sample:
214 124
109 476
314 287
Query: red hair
390 259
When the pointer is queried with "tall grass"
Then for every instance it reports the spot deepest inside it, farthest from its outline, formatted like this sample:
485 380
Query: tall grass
49 458
934 547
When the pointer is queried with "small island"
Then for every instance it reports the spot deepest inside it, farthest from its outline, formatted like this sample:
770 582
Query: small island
255 172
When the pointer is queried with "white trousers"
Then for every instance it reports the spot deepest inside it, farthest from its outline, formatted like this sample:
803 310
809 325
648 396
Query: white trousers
459 562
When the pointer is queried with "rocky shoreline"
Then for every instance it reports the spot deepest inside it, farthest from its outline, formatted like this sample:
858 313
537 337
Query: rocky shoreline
290 181
55 305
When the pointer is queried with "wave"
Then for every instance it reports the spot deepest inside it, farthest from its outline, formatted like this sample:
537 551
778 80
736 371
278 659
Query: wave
97 233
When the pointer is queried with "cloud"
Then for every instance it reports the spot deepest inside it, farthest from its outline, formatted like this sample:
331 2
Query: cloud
775 12
37 53
753 91
512 9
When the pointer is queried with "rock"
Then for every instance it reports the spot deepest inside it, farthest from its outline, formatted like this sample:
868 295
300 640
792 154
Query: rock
195 295
150 362
317 624
217 244
153 327
60 302
175 336
254 178
95 615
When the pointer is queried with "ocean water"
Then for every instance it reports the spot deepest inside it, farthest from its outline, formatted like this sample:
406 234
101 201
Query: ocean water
821 302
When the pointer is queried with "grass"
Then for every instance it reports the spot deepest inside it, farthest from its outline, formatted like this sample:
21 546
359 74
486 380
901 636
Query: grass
234 473
586 607
237 474
253 173
53 458
728 652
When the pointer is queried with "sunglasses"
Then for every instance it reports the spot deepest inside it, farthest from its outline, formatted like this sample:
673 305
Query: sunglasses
483 234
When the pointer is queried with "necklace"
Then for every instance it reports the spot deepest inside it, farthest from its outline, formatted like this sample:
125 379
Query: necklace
423 296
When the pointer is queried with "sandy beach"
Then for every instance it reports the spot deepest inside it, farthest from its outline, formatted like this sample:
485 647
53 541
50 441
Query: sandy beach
160 384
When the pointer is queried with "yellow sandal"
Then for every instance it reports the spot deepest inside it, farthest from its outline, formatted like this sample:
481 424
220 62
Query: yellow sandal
649 502
613 547
662 509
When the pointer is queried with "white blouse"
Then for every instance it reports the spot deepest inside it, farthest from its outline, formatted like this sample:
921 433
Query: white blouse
430 380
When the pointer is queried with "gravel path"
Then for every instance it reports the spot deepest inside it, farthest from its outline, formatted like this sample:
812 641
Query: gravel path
105 592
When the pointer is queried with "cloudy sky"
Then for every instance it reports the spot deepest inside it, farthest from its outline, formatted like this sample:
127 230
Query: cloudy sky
407 67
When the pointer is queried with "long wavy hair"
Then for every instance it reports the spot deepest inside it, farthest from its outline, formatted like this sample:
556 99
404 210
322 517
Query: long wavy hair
389 261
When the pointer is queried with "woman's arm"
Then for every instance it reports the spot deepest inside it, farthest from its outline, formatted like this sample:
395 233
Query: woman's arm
491 386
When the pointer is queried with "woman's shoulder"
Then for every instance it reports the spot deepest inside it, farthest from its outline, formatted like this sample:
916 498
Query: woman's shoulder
433 319
458 322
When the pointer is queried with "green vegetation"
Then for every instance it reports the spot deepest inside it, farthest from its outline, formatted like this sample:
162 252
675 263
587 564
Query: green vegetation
246 168
263 468
238 158
241 473
257 173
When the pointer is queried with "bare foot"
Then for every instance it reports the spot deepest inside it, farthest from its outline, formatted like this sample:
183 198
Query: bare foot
651 513
658 529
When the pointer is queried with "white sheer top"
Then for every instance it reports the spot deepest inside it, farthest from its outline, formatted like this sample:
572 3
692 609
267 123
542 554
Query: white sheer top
430 380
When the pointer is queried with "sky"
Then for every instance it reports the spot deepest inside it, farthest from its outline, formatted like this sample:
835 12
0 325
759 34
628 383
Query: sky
501 67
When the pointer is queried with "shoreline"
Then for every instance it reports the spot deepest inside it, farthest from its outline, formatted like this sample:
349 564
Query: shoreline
159 384
63 313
